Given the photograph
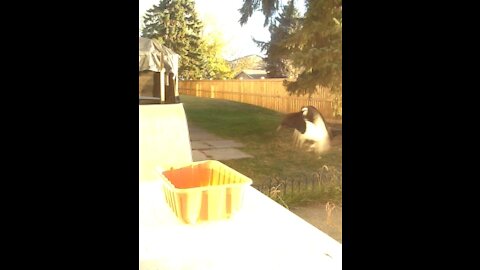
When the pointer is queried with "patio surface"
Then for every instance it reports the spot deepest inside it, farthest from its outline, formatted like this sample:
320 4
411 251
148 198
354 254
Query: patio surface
206 146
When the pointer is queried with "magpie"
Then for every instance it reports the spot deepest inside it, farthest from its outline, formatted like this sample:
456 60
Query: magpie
308 124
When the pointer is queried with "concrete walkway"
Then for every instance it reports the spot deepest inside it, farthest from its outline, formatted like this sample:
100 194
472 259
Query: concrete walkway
209 146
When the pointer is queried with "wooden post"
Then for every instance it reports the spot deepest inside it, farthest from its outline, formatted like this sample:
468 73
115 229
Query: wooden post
170 90
156 85
241 91
212 91
177 94
162 85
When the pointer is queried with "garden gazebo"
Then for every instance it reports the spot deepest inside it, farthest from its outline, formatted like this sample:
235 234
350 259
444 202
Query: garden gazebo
158 73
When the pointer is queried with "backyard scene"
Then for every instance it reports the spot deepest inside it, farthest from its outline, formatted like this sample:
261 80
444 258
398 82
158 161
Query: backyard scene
294 177
262 94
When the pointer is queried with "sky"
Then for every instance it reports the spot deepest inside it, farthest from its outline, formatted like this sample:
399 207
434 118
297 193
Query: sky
222 16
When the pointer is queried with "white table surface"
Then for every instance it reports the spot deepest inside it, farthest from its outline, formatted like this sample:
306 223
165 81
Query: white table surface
263 235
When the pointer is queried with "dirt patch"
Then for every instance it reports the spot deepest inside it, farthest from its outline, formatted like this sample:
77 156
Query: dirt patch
316 214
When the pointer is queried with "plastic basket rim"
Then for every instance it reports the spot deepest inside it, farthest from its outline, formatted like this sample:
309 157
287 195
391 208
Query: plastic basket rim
169 185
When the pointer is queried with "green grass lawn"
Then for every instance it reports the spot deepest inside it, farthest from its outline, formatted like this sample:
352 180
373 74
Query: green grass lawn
274 154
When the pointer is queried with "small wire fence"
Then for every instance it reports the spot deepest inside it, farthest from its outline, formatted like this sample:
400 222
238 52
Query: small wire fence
326 183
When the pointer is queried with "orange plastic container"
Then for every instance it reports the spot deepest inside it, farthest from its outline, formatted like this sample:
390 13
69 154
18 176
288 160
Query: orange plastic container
204 191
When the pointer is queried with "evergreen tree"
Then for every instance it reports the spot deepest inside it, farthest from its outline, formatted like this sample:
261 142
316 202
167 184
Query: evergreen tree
175 25
268 8
316 47
278 56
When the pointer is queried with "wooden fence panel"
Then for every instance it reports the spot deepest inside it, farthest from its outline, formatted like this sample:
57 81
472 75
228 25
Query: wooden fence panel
267 93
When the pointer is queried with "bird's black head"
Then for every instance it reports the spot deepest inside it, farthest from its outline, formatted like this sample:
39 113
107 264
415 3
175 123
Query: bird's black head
312 114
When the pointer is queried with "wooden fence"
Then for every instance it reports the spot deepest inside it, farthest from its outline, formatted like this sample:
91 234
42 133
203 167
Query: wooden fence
267 93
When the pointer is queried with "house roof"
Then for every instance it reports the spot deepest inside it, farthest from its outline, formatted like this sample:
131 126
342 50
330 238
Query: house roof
253 73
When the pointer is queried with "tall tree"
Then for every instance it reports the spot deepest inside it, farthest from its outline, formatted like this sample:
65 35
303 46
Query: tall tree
175 24
278 55
268 8
316 47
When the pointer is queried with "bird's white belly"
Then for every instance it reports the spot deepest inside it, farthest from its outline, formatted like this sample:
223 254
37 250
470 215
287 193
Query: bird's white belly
315 133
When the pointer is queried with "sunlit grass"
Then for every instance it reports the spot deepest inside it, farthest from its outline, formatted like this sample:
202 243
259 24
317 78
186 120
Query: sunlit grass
255 127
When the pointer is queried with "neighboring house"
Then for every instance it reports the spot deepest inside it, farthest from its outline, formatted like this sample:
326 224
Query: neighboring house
247 62
251 74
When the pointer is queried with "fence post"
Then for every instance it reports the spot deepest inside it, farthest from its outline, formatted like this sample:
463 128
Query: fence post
212 91
264 96
241 90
